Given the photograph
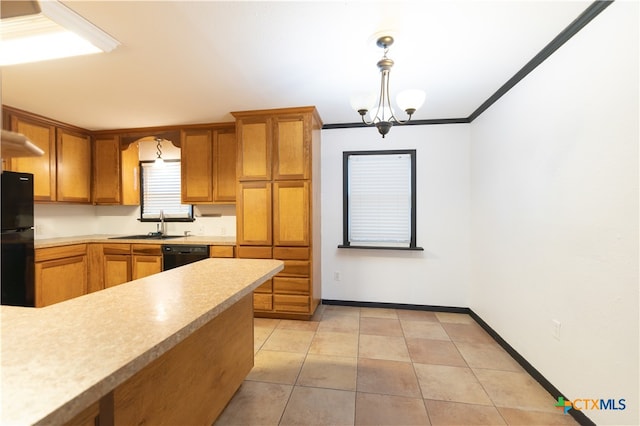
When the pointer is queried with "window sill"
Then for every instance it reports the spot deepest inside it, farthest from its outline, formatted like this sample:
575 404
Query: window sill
174 219
342 246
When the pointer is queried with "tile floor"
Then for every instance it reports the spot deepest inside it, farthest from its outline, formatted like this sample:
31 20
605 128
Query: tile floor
371 366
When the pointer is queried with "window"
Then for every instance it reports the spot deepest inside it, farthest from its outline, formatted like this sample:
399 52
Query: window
379 199
161 191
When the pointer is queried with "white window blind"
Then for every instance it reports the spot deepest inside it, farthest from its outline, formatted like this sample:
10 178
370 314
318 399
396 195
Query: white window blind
161 191
379 200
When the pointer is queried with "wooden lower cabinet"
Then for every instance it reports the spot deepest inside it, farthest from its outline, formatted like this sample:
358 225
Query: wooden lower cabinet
143 266
222 251
60 274
289 294
116 264
146 259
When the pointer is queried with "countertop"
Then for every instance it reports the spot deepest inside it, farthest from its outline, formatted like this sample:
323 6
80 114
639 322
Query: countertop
58 360
105 238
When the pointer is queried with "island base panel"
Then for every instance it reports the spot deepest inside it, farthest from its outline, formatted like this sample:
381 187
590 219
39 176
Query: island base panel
193 382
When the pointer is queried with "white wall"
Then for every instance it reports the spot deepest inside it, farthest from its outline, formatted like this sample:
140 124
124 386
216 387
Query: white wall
555 215
440 274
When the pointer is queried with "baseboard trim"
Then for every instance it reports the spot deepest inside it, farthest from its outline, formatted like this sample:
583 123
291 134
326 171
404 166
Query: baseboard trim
396 306
579 416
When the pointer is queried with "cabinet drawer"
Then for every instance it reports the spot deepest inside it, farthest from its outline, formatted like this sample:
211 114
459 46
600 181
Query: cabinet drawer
291 285
61 252
293 253
250 252
116 249
148 249
287 303
295 268
221 251
262 302
266 287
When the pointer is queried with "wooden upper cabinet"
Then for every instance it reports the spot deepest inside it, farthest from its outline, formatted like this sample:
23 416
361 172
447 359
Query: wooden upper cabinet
225 154
253 214
208 165
130 174
107 187
196 164
254 148
291 213
291 153
44 167
74 167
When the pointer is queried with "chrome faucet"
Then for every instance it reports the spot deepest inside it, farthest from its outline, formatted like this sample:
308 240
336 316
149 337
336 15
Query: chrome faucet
162 230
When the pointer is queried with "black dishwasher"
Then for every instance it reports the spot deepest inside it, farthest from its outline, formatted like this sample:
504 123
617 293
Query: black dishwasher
175 255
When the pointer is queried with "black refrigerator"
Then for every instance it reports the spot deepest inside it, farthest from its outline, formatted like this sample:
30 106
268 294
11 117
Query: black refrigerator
16 239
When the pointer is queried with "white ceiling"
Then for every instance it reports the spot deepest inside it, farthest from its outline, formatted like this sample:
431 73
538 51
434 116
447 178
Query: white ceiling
183 62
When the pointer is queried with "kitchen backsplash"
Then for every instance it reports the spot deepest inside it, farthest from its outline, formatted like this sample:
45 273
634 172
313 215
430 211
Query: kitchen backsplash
66 220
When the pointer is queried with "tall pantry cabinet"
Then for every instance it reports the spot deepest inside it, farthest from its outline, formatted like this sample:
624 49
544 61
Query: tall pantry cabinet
278 205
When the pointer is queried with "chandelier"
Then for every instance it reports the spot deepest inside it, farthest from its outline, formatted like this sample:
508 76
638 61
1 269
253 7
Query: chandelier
408 100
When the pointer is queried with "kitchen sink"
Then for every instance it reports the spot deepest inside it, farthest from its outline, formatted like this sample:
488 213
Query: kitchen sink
151 236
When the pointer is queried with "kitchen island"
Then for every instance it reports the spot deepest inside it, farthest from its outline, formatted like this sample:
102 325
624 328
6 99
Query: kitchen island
171 348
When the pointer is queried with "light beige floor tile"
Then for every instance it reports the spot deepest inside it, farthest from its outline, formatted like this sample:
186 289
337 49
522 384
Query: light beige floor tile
455 413
454 318
383 347
469 333
415 315
515 390
387 377
340 323
380 326
445 383
266 322
516 417
256 403
260 335
330 310
326 371
299 325
427 351
289 341
314 406
378 313
487 355
424 330
334 343
276 367
374 409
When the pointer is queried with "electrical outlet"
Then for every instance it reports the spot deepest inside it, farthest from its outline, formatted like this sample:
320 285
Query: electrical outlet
556 327
336 276
223 231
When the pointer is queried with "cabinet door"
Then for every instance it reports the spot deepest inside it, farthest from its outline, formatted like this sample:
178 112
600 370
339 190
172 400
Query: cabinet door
74 167
291 150
291 213
117 269
106 170
144 266
129 163
44 167
254 149
254 213
225 153
196 166
61 279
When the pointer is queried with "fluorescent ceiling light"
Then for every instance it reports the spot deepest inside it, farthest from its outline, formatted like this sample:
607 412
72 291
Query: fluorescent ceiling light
55 32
